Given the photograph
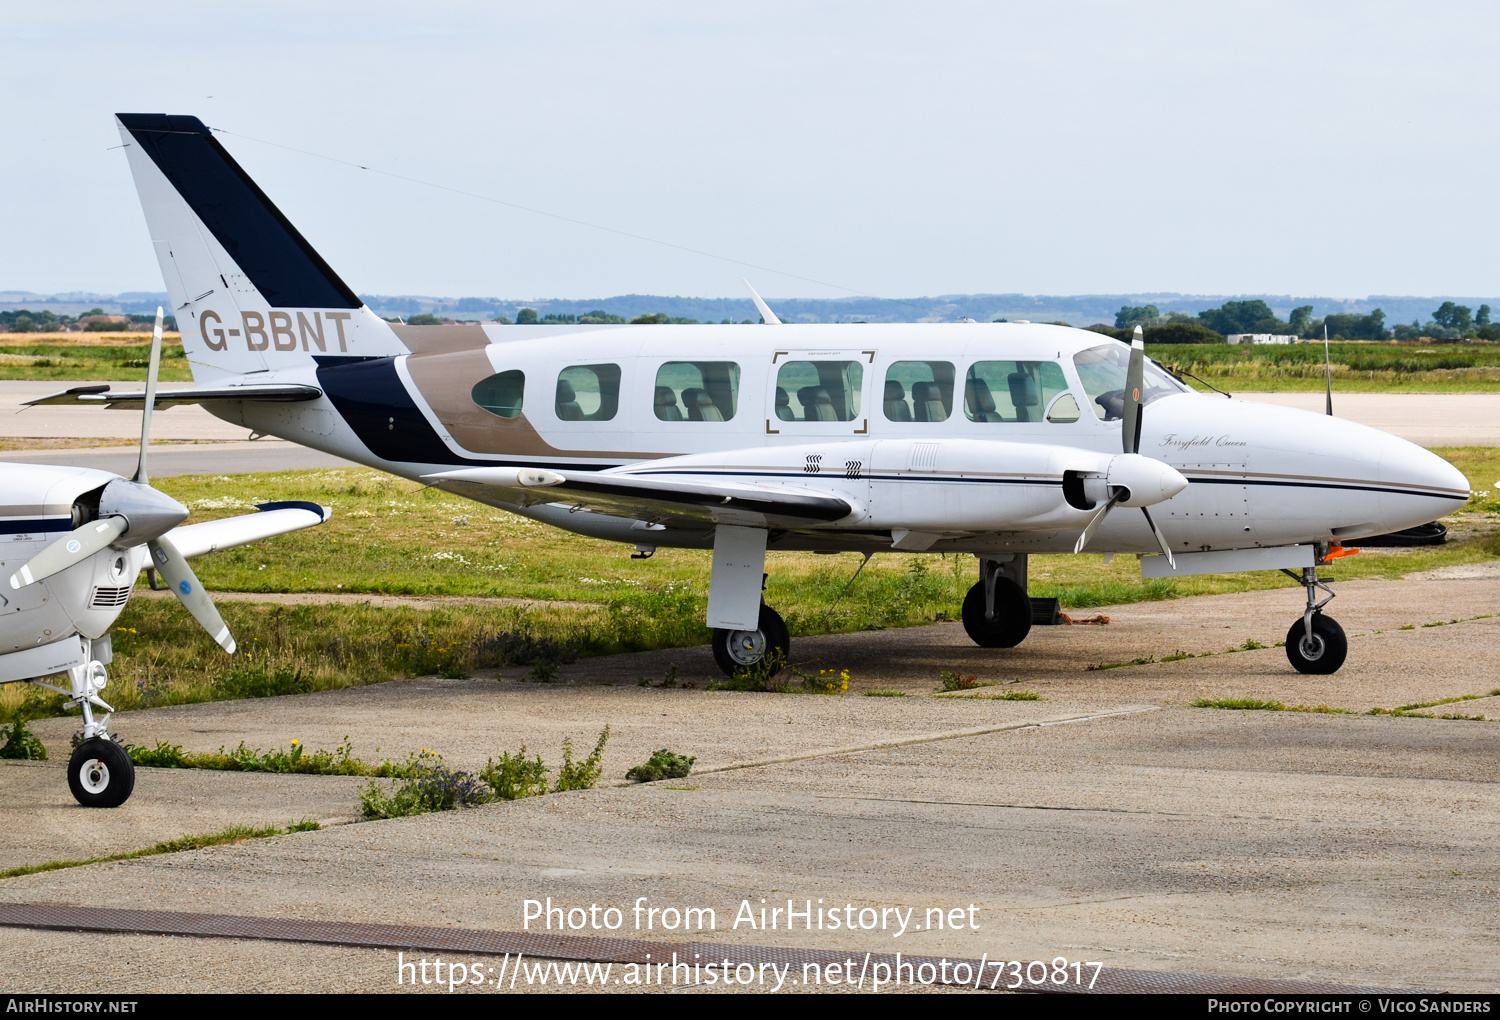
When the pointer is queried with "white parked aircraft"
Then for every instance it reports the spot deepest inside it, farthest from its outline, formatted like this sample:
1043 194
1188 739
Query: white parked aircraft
999 440
72 542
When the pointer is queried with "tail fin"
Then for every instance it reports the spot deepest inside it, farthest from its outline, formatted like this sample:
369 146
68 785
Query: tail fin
249 293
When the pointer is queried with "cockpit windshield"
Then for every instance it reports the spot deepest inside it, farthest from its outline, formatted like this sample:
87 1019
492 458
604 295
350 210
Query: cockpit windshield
1102 371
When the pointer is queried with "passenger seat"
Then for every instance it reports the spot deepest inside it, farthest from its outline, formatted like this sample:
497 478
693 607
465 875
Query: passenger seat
666 404
568 408
817 405
700 405
980 401
896 407
1024 395
927 402
784 406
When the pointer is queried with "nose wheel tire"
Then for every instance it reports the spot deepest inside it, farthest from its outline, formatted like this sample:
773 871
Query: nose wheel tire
1012 621
736 651
101 774
1321 655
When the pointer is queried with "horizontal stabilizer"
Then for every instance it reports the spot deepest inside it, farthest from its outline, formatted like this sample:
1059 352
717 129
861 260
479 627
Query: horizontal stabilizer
273 519
656 497
102 395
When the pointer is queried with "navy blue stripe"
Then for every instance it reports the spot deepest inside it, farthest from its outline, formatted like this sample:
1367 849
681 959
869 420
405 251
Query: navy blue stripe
36 525
1350 487
262 241
837 475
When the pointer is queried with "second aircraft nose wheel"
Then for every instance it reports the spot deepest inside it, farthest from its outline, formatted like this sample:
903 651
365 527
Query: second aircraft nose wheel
100 773
738 650
1321 653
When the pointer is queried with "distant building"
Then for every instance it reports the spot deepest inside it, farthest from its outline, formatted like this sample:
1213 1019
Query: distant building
1259 338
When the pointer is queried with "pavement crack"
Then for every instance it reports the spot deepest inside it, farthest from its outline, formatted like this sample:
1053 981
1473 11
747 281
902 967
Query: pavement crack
930 738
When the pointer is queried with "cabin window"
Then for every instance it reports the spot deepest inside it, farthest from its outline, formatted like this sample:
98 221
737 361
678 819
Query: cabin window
697 391
501 394
1102 371
919 391
1012 390
819 390
588 392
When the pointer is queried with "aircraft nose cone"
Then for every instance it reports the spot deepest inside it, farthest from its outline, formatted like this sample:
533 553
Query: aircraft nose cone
1421 486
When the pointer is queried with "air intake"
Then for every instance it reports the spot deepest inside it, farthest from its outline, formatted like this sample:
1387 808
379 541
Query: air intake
109 598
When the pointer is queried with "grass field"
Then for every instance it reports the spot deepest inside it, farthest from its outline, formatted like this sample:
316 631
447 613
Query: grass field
1357 367
73 356
586 597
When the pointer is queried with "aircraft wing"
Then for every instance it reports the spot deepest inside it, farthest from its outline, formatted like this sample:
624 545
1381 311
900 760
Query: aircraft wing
273 519
101 394
659 497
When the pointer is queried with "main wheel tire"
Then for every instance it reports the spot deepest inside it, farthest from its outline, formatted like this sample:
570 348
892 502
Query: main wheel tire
1322 655
736 651
1012 620
101 774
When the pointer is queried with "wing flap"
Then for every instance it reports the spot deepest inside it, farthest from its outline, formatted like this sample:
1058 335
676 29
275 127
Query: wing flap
657 497
272 520
102 395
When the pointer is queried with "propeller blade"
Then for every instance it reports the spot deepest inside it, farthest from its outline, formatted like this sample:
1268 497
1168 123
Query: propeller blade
150 404
1135 374
1327 373
1093 526
1161 540
184 583
74 547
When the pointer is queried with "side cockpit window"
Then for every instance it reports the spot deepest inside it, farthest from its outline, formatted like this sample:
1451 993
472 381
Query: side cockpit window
1102 371
501 394
588 392
918 391
696 391
819 390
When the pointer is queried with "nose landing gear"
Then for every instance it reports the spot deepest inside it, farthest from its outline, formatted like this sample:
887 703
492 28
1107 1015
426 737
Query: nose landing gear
997 611
1316 643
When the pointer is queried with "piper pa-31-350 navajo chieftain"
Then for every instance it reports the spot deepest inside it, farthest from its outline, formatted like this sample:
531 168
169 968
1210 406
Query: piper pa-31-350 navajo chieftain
74 540
999 440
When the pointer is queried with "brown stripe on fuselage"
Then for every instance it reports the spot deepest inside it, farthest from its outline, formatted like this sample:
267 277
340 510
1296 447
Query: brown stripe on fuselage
446 381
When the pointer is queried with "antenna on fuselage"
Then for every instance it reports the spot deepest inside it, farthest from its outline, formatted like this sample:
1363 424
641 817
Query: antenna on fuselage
1327 372
765 309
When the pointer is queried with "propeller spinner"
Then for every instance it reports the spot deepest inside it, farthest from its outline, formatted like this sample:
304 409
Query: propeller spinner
132 513
1135 480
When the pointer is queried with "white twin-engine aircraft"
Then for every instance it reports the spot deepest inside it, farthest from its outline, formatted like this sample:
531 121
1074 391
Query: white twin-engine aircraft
72 542
999 440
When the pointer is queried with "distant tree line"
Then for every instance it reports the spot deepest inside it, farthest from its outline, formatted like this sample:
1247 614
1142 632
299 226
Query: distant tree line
95 320
1449 322
529 317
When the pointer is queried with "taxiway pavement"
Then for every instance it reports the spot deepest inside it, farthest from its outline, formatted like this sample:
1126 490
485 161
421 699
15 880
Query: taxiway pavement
1109 821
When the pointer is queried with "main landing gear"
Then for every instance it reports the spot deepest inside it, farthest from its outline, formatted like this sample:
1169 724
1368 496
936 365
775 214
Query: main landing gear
997 610
766 647
1315 644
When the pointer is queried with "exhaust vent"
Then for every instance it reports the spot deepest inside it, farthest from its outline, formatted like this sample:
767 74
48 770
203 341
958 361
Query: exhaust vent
109 598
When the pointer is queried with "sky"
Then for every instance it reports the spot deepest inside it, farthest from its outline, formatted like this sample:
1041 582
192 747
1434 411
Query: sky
838 148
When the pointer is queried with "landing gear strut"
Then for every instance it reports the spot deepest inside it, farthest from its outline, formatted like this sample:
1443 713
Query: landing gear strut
1315 644
736 651
100 773
997 611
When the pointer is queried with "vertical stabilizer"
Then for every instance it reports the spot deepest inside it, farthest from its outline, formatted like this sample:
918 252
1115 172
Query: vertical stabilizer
249 293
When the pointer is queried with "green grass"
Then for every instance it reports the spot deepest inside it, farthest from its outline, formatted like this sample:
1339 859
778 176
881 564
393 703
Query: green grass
1405 367
90 356
1260 705
885 694
293 760
233 834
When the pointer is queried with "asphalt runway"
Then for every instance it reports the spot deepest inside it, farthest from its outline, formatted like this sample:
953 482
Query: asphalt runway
1109 821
